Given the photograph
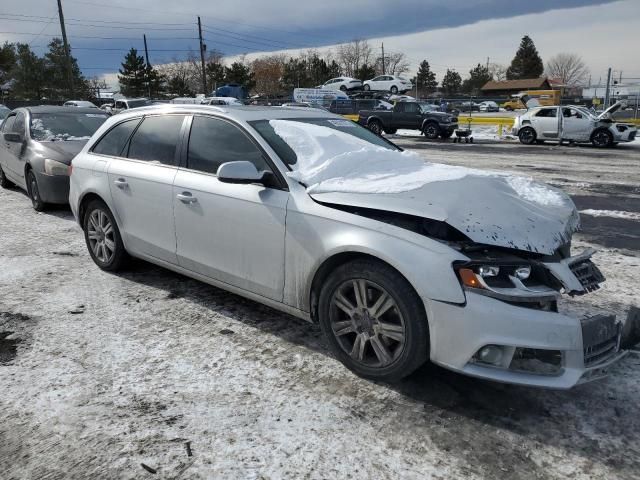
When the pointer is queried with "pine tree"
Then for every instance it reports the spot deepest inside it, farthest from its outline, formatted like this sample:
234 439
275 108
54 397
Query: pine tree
451 83
28 74
7 61
478 76
295 74
57 73
365 72
426 79
132 76
215 74
240 74
527 62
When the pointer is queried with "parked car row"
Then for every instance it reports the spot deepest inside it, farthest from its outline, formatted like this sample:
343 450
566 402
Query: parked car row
383 83
398 260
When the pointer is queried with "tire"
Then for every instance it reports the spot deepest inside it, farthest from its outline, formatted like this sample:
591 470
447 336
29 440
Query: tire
431 130
359 339
367 87
390 131
375 126
34 192
602 138
394 90
102 237
4 181
343 88
527 136
509 109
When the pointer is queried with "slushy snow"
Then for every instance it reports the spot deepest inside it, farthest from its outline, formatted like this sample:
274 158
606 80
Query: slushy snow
330 160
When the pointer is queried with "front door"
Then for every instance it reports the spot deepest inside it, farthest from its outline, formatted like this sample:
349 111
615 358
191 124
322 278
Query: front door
233 233
141 186
14 156
576 125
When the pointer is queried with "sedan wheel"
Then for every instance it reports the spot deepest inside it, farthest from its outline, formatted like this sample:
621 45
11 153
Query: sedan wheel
34 192
367 87
374 320
103 237
602 138
394 90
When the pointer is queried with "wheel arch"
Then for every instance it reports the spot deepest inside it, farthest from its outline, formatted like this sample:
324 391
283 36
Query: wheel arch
84 201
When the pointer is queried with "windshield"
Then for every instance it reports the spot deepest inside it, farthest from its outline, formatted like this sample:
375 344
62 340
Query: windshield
51 127
427 107
361 136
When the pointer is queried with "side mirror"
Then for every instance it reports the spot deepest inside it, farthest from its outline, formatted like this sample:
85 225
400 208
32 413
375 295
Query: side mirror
240 172
13 137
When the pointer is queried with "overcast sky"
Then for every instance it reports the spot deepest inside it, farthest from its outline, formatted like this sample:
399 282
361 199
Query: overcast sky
448 34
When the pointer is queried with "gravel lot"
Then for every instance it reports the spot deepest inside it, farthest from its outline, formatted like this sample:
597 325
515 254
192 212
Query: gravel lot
103 373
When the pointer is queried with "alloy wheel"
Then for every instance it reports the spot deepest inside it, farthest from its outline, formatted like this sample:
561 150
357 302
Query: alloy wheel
601 138
367 323
101 236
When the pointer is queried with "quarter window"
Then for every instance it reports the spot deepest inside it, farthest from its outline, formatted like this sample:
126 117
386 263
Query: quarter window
114 141
156 139
213 142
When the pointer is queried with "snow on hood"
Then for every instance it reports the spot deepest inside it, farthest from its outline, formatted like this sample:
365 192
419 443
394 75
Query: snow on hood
488 207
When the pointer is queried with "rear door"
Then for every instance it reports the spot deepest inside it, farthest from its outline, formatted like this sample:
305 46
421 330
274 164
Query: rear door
141 186
13 159
229 232
546 122
7 149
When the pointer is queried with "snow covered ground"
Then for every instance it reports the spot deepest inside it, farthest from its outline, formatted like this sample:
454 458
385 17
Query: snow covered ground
101 373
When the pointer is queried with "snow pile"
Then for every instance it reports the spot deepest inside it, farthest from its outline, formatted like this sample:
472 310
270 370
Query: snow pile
43 134
330 160
612 213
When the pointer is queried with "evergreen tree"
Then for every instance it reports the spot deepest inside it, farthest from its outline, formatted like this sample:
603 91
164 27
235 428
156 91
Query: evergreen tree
451 83
57 73
295 74
478 76
240 74
215 74
28 74
178 85
7 61
527 62
365 72
426 79
132 77
156 83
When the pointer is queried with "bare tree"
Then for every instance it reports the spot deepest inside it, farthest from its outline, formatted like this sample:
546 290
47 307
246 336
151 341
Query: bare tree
498 72
394 64
351 56
268 72
568 68
95 85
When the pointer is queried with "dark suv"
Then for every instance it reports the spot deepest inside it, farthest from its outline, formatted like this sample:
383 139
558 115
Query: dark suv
410 115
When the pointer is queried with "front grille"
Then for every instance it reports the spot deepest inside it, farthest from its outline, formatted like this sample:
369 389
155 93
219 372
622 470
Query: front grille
600 338
587 274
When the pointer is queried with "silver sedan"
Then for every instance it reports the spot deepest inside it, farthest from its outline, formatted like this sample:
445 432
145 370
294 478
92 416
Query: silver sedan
399 260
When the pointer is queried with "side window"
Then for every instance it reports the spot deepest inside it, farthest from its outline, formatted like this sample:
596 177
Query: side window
8 123
400 107
213 142
411 108
120 105
547 112
114 141
156 139
18 126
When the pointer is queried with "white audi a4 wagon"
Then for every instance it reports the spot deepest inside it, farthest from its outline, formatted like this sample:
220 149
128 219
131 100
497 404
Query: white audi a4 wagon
399 260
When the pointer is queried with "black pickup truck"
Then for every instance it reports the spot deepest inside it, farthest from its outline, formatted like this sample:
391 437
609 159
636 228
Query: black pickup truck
410 115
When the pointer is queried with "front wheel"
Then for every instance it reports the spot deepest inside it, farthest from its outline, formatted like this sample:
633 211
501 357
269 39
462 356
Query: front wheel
102 237
374 320
34 192
367 87
394 90
343 88
375 126
527 136
602 138
431 130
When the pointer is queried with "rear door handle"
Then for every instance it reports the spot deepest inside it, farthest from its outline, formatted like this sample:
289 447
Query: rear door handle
121 183
186 197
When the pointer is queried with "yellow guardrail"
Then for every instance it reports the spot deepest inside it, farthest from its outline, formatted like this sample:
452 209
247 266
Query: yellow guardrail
351 117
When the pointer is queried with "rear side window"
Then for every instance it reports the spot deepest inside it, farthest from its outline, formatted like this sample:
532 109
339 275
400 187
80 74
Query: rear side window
8 123
114 141
156 139
547 112
213 142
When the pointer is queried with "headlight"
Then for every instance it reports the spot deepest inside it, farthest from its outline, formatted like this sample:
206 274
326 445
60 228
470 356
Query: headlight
52 167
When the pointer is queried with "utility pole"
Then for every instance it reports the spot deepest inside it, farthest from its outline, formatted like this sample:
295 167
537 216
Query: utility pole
66 49
146 55
607 93
487 64
383 66
202 49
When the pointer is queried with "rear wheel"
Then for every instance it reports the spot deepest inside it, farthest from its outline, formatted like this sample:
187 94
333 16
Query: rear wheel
374 320
431 130
375 126
602 138
103 238
367 87
4 181
34 192
343 88
527 136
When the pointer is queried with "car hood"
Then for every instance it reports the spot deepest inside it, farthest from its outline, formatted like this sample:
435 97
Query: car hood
511 212
610 111
62 151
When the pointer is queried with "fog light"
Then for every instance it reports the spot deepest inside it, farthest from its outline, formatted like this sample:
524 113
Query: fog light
523 273
490 354
488 271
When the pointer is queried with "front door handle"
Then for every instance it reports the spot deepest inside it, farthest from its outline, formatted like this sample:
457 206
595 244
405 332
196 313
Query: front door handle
121 183
186 197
